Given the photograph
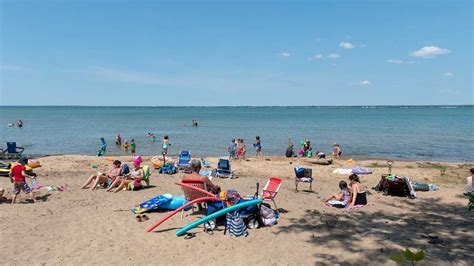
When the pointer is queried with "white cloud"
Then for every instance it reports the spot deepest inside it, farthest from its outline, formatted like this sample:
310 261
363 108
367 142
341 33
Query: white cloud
430 52
365 83
346 45
315 57
448 74
333 56
394 61
14 68
284 54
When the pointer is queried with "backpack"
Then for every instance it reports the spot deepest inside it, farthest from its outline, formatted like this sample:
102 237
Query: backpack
268 216
124 170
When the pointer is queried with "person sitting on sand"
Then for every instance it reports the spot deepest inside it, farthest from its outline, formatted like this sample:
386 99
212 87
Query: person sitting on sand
104 179
358 191
468 188
290 152
320 155
133 181
336 151
195 166
18 178
342 199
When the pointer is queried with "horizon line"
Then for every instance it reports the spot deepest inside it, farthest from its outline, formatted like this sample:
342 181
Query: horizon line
217 106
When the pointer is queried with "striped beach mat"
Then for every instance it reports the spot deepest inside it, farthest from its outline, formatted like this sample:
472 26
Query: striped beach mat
235 224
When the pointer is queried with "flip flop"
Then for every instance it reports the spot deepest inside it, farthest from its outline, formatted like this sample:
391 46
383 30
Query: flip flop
138 218
144 218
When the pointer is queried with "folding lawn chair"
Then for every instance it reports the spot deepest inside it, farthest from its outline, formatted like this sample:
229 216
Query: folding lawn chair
13 151
303 175
270 190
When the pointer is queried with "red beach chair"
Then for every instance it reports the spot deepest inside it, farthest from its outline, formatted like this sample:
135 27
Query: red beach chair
192 194
271 190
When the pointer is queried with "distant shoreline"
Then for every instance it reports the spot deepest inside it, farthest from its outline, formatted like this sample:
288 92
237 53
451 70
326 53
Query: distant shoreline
250 106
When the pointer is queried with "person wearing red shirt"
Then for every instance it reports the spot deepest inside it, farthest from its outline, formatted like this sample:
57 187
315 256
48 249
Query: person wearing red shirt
18 178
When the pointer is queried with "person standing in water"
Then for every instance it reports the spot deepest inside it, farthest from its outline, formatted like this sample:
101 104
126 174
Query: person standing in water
118 140
132 147
166 144
19 123
258 146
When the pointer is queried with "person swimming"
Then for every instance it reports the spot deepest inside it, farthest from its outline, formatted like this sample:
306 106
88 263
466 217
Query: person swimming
195 123
118 140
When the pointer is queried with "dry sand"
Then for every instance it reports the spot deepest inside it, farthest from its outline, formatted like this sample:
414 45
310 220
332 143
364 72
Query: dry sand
94 227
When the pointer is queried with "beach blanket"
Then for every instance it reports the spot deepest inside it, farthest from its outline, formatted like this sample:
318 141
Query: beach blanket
347 207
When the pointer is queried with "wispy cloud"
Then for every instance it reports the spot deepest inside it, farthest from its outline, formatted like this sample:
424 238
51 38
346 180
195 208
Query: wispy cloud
321 56
14 68
284 54
346 45
430 52
399 62
333 56
448 74
365 83
315 57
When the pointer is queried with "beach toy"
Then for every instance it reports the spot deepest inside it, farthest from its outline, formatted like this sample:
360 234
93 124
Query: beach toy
174 203
301 142
94 166
110 158
239 206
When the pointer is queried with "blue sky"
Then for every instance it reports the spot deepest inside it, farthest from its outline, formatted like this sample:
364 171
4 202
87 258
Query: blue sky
151 53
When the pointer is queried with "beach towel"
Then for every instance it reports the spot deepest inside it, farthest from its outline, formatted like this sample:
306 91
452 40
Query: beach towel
342 171
362 171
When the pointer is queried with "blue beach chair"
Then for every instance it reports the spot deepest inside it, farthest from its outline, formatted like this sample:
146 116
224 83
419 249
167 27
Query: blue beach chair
184 158
223 169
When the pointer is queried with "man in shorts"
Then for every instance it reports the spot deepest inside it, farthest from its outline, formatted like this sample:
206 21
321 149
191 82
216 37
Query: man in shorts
18 178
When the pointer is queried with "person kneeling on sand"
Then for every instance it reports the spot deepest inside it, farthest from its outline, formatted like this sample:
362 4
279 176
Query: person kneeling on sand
195 168
18 178
133 181
104 179
468 187
342 199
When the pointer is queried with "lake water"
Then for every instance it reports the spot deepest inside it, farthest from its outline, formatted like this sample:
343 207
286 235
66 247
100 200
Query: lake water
443 133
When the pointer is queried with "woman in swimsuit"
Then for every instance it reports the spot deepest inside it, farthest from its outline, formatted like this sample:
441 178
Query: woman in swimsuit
104 179
133 181
359 191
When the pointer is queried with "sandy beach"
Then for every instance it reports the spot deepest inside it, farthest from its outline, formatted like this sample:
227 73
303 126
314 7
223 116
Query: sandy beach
78 226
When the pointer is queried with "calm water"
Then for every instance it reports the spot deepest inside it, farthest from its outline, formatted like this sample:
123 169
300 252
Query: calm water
425 133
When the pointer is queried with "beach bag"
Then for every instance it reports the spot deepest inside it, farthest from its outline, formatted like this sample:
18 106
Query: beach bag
235 224
268 215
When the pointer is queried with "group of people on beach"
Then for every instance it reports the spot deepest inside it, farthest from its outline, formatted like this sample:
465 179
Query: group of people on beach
354 194
306 150
120 177
238 150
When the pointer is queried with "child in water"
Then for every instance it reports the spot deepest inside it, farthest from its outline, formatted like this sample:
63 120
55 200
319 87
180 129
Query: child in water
336 151
166 144
132 147
103 145
126 145
231 149
258 146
